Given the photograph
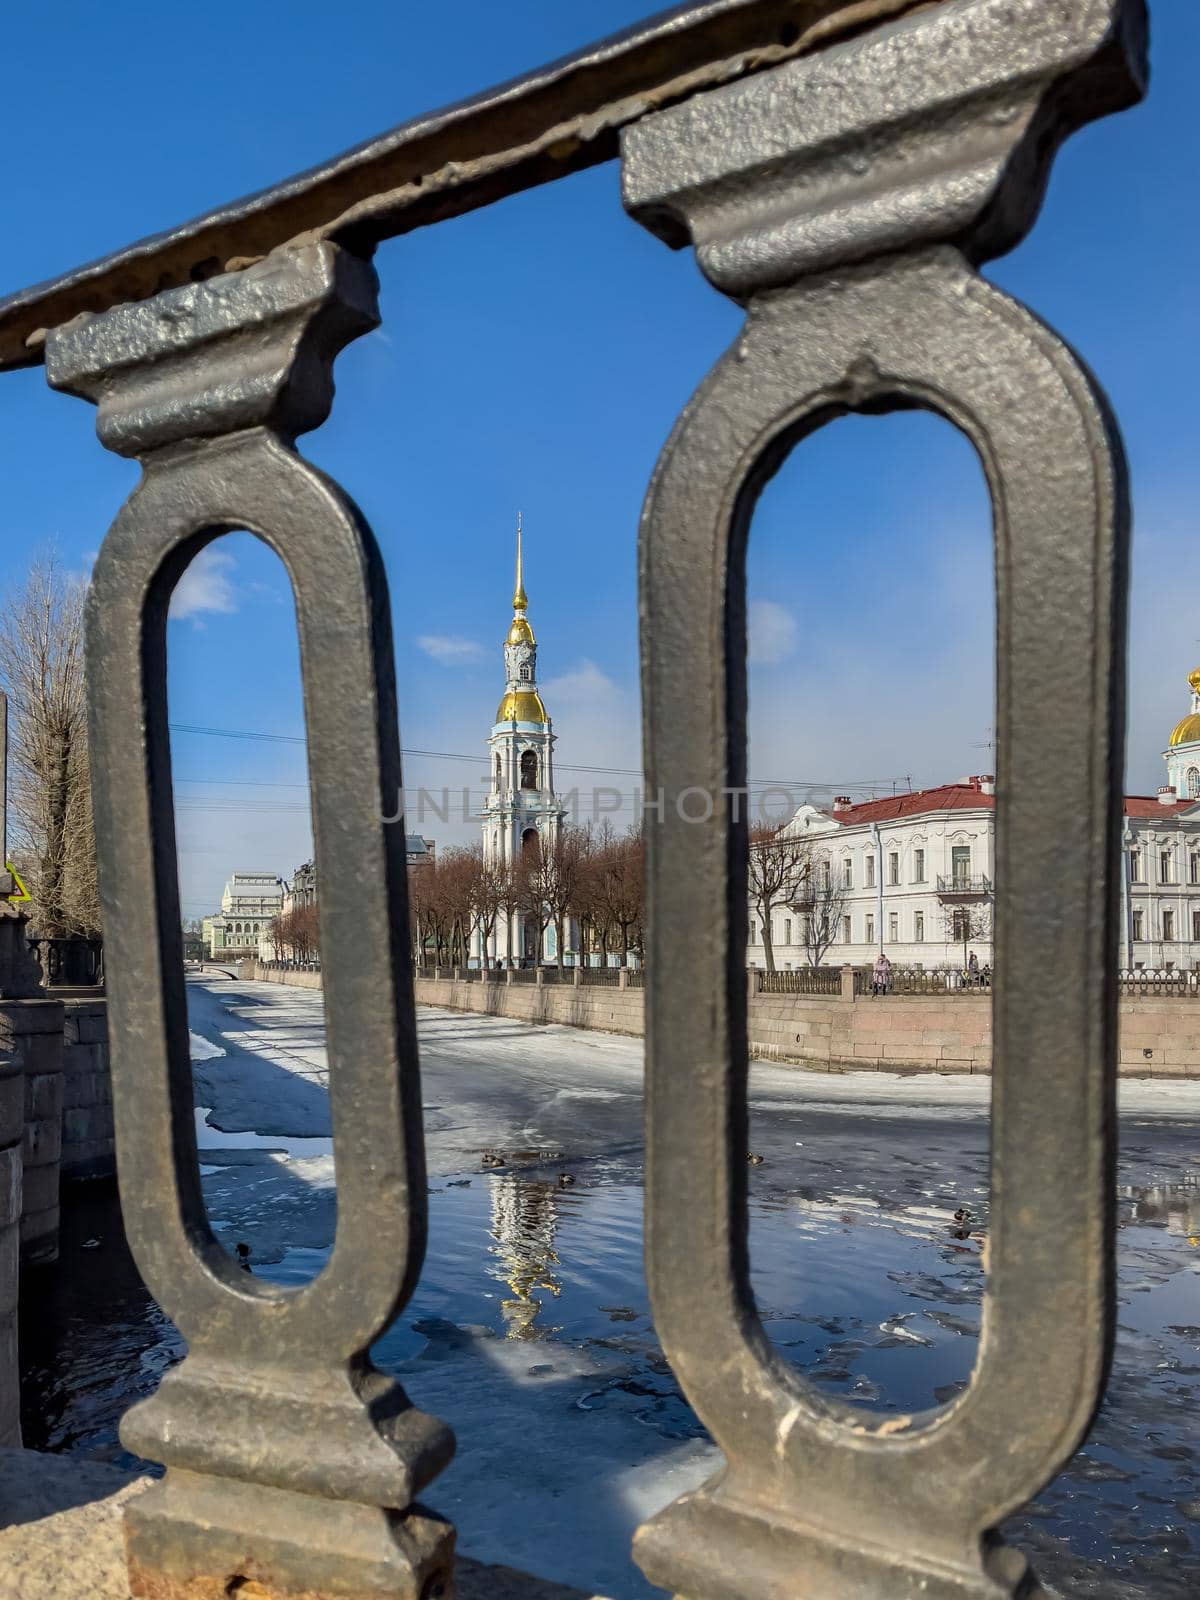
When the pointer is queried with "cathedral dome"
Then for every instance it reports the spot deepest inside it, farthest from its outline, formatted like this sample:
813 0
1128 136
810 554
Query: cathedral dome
525 705
521 632
1188 731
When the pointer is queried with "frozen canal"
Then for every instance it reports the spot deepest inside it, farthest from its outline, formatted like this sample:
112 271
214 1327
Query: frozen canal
530 1330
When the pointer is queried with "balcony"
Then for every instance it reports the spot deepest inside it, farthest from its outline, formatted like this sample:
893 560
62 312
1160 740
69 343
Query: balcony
961 886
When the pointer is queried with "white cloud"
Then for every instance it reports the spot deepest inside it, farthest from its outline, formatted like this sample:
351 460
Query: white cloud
449 649
205 586
773 633
587 685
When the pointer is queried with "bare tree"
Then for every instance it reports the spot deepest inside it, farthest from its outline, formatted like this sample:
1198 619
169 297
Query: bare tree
619 890
967 922
553 871
820 900
776 864
487 893
50 793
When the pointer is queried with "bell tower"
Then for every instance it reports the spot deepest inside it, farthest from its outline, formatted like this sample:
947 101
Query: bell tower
521 808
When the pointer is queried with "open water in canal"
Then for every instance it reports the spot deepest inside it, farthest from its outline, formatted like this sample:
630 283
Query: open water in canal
878 1305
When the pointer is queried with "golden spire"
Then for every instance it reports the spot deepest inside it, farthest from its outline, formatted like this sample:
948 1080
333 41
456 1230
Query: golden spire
520 600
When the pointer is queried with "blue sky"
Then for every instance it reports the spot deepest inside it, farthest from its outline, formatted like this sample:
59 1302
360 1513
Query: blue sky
535 355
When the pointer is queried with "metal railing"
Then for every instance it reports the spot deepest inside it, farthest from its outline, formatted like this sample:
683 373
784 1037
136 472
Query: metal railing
1171 984
933 980
70 963
841 176
964 884
801 980
599 976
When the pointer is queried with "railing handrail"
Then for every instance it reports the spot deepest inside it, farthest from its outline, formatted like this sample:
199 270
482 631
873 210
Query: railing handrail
533 130
964 883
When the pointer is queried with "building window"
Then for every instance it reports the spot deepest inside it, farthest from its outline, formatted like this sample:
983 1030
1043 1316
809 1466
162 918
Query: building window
870 928
1168 926
825 870
870 878
847 935
960 925
1139 925
1194 869
787 930
847 873
525 675
1135 865
1196 926
893 926
918 866
753 931
894 866
919 927
1164 866
960 863
1193 783
529 769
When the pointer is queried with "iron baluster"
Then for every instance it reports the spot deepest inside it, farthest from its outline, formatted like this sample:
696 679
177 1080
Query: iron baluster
291 1460
847 201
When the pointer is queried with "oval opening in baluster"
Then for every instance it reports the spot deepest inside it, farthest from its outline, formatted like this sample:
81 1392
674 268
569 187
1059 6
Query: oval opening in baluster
249 896
871 627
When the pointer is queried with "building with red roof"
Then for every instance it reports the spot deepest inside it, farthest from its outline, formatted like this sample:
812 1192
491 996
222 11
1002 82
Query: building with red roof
912 875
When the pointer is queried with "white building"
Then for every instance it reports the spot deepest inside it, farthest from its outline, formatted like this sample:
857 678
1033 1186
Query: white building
917 872
521 809
1160 850
911 874
250 903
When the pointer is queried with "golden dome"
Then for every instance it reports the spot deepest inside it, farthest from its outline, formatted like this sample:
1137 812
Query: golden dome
521 632
525 705
1188 731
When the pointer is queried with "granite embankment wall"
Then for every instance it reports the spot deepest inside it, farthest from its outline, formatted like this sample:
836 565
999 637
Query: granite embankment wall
1160 1036
55 1125
87 1114
12 1132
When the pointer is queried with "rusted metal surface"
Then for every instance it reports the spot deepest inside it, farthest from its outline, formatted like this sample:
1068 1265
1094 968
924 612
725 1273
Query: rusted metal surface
554 121
290 1459
847 200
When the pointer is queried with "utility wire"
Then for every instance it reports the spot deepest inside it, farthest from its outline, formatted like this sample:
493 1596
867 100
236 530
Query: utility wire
480 760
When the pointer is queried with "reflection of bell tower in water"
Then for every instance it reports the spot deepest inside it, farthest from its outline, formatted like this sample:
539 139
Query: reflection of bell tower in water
524 1224
521 808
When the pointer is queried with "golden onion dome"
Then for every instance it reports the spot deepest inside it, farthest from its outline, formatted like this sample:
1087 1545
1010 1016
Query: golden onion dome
1188 731
522 705
521 632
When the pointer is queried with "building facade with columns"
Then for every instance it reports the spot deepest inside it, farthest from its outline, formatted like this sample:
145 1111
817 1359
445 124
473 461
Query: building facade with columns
249 905
521 811
915 873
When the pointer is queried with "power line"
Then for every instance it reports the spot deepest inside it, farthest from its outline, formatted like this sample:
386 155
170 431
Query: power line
563 766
